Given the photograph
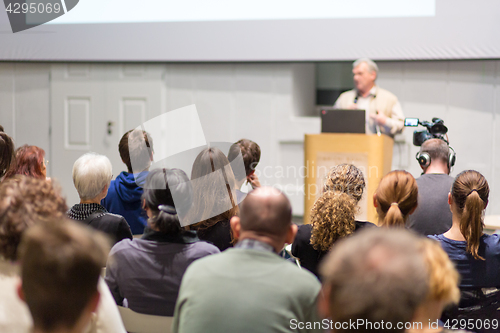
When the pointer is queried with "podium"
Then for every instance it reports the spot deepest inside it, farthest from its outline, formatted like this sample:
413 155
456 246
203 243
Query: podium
372 154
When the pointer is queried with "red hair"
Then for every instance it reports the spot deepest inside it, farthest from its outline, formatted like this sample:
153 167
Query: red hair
29 160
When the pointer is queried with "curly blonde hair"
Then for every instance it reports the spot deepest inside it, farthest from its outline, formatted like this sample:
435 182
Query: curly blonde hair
345 178
332 218
26 201
332 215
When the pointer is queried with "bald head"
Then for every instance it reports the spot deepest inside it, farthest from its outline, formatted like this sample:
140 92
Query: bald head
266 211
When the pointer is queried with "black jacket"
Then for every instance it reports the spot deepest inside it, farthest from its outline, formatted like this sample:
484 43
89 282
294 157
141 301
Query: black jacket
98 218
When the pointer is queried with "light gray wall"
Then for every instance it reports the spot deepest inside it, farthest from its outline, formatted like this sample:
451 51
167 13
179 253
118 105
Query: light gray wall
25 103
271 104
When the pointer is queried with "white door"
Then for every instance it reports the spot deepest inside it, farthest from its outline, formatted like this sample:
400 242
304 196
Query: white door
92 106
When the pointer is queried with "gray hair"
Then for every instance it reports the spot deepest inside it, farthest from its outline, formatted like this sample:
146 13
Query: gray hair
372 66
91 173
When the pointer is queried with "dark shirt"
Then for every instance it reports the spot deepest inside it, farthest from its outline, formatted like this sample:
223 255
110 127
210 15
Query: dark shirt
473 272
219 235
433 215
147 272
308 256
114 225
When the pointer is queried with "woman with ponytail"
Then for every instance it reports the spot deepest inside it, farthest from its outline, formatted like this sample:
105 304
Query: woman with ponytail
145 273
395 198
332 216
475 254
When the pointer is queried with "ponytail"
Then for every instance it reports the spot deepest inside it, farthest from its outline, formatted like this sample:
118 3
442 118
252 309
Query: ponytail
166 220
394 217
470 193
158 198
332 218
397 197
471 224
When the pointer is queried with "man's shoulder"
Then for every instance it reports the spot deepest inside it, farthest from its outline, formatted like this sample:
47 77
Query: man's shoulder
435 178
381 92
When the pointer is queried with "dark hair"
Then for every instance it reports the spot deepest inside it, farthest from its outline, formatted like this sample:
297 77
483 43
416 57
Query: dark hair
158 198
26 201
29 161
250 151
133 152
7 157
207 193
470 192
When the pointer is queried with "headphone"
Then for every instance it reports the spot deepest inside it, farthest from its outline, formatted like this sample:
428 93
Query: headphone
424 159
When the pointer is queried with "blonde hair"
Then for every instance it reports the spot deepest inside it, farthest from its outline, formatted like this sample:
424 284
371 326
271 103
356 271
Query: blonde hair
397 196
443 277
345 178
332 218
470 192
332 215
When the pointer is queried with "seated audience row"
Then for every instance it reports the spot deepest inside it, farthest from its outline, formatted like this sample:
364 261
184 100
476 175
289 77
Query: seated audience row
374 274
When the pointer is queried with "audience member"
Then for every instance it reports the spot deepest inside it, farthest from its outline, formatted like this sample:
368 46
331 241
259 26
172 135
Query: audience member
395 198
249 288
125 192
332 216
147 272
475 254
7 157
433 215
375 279
24 202
60 267
250 153
214 197
30 161
92 175
443 289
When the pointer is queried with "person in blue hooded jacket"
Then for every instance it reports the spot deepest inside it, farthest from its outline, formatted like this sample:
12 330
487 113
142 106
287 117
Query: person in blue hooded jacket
125 192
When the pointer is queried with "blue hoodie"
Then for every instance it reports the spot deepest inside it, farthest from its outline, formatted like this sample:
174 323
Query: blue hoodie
124 198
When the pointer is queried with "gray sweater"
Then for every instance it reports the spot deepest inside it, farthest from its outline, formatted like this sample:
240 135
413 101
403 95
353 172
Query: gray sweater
145 274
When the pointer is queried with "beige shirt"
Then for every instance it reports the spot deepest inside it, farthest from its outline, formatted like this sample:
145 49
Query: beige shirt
378 100
15 316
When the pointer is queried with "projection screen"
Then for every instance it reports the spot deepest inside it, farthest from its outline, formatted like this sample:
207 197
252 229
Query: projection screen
261 30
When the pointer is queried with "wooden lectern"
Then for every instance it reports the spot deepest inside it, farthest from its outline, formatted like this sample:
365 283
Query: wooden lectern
370 153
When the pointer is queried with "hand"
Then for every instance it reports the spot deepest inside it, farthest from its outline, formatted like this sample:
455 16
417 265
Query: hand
379 118
253 180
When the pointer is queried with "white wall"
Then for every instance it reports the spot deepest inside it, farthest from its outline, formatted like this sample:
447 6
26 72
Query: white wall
271 104
263 102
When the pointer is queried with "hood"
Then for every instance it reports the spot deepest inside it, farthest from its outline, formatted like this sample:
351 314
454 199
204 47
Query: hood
127 188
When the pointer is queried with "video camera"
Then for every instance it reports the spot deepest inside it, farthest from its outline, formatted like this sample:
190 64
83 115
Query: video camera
435 130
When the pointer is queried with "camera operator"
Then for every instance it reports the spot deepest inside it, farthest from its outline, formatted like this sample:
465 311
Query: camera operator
433 215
